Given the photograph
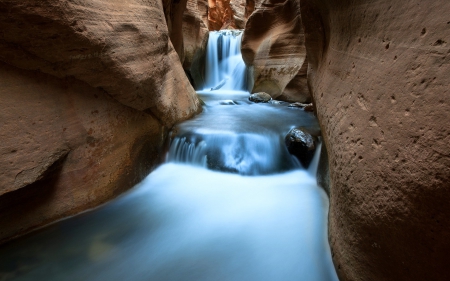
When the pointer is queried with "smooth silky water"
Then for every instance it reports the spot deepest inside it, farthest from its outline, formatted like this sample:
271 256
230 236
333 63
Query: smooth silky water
230 203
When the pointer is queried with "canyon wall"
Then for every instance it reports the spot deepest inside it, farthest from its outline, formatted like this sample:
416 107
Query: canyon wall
195 27
88 93
378 71
273 47
195 36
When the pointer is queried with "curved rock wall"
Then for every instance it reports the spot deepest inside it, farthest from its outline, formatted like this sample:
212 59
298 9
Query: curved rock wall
112 45
195 27
273 47
88 90
379 77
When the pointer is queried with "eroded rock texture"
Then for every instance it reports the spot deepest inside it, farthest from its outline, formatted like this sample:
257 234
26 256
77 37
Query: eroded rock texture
114 45
273 47
379 78
88 90
227 14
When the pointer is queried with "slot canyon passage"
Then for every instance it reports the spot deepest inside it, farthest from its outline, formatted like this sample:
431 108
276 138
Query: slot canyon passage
101 126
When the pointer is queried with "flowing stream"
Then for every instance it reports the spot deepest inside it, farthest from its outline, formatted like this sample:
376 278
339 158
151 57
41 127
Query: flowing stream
230 203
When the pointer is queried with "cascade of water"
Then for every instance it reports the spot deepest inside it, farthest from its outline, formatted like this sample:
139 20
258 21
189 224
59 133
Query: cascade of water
312 169
245 154
225 68
183 150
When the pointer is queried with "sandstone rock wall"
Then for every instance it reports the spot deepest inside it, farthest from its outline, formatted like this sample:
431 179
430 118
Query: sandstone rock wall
88 90
173 12
273 47
195 27
114 45
379 77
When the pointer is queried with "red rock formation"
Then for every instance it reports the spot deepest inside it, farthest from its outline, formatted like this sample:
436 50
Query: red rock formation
220 15
88 90
273 47
379 77
228 14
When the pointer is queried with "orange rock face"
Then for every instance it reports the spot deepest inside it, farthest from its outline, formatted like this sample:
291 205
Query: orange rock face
88 92
379 77
227 14
273 47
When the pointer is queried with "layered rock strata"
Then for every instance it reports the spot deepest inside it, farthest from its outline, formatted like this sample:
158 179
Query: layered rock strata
273 47
379 77
88 92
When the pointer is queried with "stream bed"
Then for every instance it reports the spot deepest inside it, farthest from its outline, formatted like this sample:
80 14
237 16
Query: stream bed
230 203
250 217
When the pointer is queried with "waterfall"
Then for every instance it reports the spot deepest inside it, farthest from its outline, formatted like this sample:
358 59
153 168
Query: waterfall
312 169
225 68
183 150
243 153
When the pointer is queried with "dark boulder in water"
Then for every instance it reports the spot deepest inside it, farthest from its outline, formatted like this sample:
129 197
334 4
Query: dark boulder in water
302 145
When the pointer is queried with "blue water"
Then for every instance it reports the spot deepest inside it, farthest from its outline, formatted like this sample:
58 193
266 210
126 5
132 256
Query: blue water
229 204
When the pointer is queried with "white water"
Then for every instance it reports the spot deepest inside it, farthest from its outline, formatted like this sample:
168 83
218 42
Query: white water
264 218
187 223
225 68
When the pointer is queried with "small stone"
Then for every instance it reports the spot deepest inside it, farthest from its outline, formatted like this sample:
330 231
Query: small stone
305 106
260 97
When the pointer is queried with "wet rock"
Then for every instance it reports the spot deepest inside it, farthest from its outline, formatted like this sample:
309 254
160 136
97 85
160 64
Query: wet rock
305 106
260 97
277 102
302 145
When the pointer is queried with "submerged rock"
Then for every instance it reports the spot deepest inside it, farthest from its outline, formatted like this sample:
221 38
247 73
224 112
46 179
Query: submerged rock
302 145
260 97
